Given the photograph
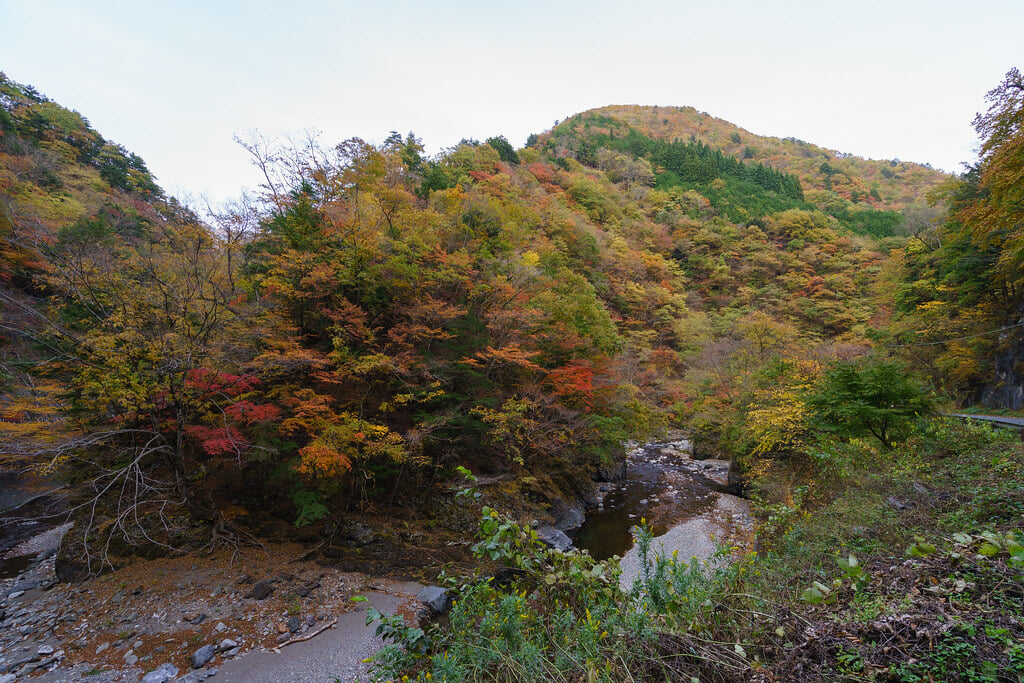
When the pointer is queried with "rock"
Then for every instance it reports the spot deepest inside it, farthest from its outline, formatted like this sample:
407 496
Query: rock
131 659
161 674
220 627
102 647
195 621
304 590
283 638
15 594
612 471
896 503
568 515
244 580
232 652
294 624
262 590
202 656
554 538
310 620
434 597
282 627
45 650
226 644
137 644
356 534
8 678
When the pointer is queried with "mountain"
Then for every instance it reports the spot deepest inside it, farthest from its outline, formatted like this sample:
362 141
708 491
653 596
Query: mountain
381 355
374 319
824 174
56 171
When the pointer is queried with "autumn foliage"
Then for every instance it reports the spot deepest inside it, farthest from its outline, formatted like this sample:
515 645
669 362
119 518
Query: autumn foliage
373 318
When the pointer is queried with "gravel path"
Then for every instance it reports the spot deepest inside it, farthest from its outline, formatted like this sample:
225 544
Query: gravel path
337 654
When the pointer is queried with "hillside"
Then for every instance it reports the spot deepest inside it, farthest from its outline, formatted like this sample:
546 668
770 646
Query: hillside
886 184
382 356
378 318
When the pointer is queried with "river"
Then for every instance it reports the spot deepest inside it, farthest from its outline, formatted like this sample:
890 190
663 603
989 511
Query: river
29 505
685 501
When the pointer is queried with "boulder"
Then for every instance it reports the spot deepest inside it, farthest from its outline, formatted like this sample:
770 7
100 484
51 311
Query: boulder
202 656
568 515
161 674
611 471
262 590
435 598
554 538
355 534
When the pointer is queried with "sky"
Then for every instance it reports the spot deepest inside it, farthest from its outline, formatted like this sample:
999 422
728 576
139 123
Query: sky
174 82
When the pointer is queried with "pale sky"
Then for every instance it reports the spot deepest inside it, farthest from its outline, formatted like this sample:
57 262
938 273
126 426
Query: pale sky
174 81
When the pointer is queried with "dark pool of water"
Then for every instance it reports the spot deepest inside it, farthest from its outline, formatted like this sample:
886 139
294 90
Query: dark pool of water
29 506
659 487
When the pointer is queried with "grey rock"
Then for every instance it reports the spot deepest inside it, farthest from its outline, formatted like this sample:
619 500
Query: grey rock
26 585
294 624
434 597
202 656
310 620
262 590
226 644
15 594
45 650
131 659
232 652
612 471
220 627
568 515
284 638
356 534
304 590
554 538
102 647
896 503
161 674
8 678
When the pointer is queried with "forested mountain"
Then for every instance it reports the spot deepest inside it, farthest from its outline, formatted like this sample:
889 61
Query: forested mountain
886 184
375 318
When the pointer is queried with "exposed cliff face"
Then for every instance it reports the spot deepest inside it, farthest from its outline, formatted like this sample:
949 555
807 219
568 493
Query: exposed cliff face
1007 388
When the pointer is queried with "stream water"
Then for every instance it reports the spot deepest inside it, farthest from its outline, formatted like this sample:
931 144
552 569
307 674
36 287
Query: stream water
662 485
29 505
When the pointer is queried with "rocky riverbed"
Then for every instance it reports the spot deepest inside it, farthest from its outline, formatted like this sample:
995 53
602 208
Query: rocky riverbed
685 501
190 618
268 614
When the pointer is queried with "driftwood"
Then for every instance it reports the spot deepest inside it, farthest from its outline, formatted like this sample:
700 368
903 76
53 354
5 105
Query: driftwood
313 634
